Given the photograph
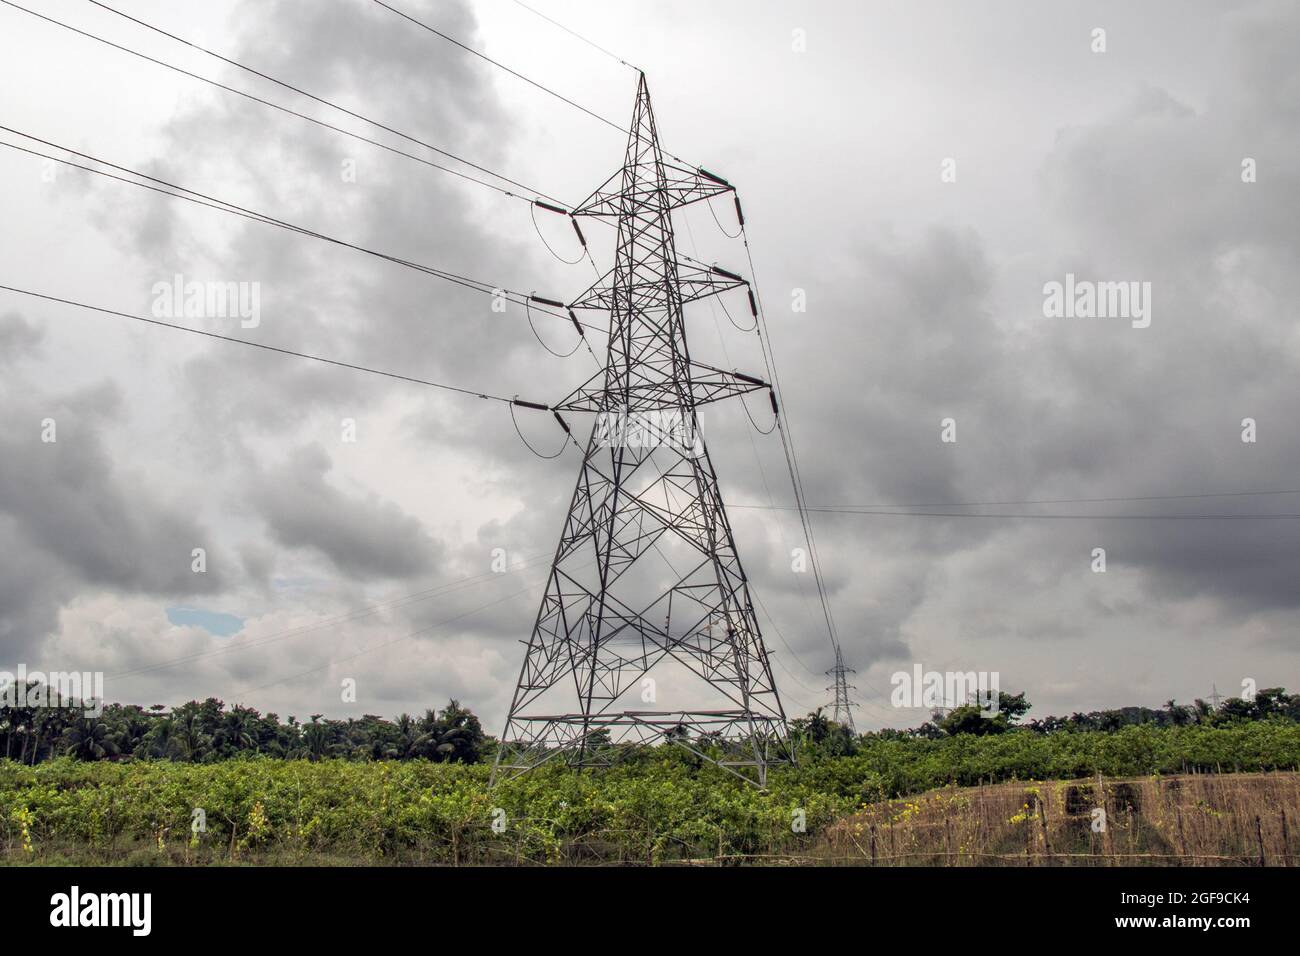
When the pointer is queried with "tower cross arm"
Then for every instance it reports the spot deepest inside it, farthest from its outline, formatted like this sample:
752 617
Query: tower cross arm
708 384
694 281
679 187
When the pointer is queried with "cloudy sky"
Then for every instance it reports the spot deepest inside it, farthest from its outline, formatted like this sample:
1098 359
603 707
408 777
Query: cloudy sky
916 172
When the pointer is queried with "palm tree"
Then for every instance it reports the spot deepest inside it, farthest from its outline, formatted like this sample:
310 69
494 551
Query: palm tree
133 724
1178 715
23 725
189 740
455 735
819 726
409 734
89 738
160 741
235 732
47 725
19 721
316 738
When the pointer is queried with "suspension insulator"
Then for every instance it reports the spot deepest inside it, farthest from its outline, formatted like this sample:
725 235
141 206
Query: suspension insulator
581 238
717 179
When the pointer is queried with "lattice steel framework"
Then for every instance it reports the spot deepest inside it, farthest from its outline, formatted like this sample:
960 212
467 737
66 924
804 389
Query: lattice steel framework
617 604
842 709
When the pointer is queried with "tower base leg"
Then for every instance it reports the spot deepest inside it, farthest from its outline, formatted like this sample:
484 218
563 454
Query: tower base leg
742 744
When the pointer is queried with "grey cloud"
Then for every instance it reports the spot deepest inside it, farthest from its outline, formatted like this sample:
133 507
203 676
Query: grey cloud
918 310
362 536
18 337
79 520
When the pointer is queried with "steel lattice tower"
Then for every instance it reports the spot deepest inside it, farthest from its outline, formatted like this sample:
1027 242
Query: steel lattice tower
842 712
646 575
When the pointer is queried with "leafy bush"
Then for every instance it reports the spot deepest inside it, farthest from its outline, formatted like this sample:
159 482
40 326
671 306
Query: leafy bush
656 807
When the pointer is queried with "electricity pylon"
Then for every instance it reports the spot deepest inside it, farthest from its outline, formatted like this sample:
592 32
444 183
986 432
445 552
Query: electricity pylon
646 575
842 712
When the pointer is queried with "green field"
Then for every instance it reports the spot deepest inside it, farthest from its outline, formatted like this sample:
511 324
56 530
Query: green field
660 806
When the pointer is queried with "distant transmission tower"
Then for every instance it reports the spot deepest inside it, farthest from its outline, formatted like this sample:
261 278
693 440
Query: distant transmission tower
842 712
646 575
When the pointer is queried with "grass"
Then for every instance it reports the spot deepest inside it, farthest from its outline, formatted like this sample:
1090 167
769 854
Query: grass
953 801
1187 820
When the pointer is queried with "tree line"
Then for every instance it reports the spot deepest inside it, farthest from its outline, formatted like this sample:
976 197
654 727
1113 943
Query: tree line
207 731
1273 703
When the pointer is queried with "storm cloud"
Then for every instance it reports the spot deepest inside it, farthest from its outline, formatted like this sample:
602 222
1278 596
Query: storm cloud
374 559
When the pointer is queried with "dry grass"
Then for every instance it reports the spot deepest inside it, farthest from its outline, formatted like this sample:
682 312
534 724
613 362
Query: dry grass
1194 820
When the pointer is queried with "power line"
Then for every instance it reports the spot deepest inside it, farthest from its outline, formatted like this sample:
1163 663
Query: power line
483 56
202 199
296 113
270 348
1064 501
776 657
518 75
797 483
787 445
769 361
758 462
330 103
573 33
1010 515
293 112
311 119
